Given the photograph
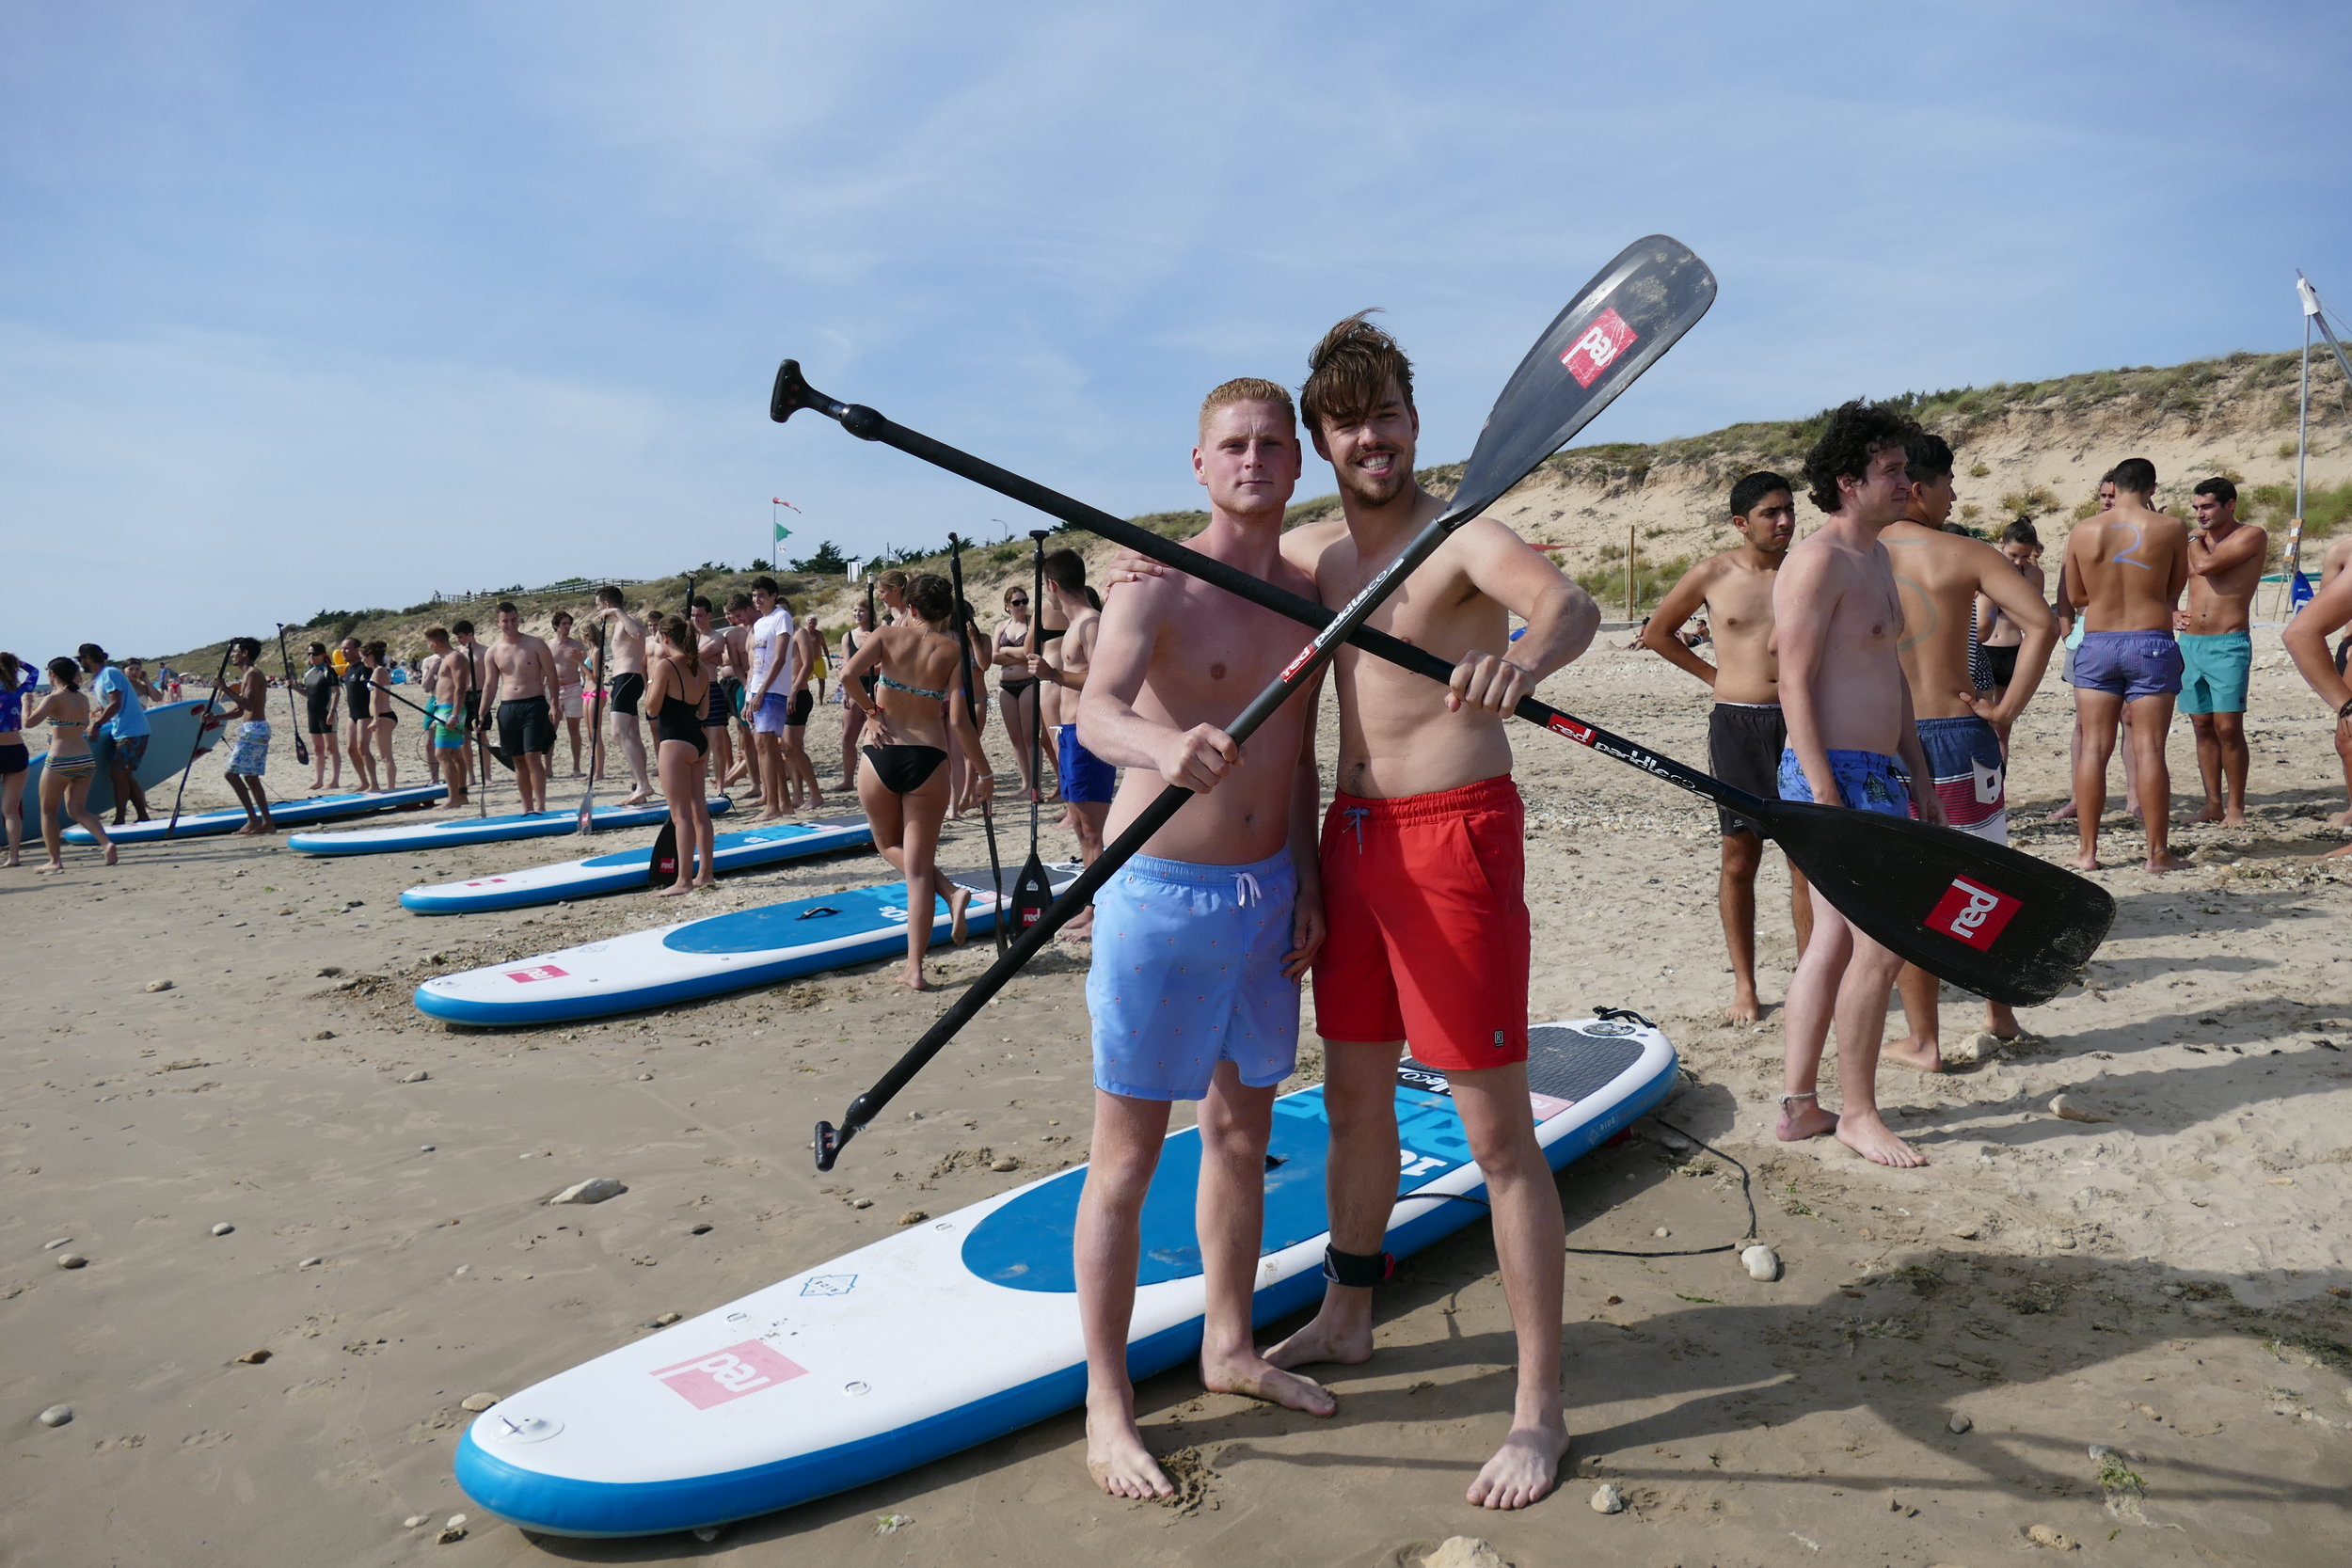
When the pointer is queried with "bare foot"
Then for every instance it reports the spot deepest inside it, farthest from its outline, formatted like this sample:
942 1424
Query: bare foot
2085 862
110 853
1913 1053
1116 1457
959 904
1343 1337
1259 1379
632 801
1080 929
2064 814
2342 819
704 884
1523 1470
2166 861
2233 820
2211 813
51 869
2332 854
1744 1007
912 977
1802 1117
246 831
1871 1138
673 890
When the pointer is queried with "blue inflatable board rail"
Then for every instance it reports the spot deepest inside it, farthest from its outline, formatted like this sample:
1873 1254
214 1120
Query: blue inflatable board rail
627 869
286 813
484 830
709 957
966 1328
175 736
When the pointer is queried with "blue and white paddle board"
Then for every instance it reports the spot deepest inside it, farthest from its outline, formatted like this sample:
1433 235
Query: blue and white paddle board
484 830
704 957
176 737
966 1328
286 813
630 868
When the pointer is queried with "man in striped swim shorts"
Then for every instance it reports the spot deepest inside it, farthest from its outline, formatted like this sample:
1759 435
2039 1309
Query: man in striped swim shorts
1940 576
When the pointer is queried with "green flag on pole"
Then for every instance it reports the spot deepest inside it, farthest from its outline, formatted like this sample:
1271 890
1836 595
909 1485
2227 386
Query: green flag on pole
775 546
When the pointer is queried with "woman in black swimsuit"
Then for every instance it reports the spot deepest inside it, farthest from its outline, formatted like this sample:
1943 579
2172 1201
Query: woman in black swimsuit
358 710
918 668
1015 686
676 689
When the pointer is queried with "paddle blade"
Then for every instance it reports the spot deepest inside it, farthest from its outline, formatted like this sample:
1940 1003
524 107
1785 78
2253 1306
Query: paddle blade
1637 307
662 869
1031 893
1990 919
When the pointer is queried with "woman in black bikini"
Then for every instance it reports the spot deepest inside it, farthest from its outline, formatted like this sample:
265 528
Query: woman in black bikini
919 668
65 778
852 715
677 689
359 712
1015 686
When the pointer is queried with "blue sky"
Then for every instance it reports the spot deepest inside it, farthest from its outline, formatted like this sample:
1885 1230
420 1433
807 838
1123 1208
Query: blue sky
310 306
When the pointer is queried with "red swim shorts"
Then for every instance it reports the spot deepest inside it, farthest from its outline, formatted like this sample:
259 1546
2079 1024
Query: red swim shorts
1426 901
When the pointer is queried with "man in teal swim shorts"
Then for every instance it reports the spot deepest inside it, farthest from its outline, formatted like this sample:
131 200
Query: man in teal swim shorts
1199 942
2225 566
1852 742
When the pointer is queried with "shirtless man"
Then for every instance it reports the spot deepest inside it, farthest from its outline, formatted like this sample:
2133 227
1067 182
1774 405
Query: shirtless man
2225 566
1745 731
2331 566
518 678
1941 575
2071 630
447 690
625 666
738 636
808 647
436 648
1229 889
767 696
571 658
1838 619
248 696
1060 666
712 648
2124 570
1423 858
2306 638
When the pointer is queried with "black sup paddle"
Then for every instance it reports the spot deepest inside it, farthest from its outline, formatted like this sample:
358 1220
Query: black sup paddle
302 751
1031 892
1632 312
205 724
965 626
1891 876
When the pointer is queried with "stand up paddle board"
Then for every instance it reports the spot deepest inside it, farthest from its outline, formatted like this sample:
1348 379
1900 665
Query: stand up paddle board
483 829
702 958
175 736
966 1328
632 868
286 813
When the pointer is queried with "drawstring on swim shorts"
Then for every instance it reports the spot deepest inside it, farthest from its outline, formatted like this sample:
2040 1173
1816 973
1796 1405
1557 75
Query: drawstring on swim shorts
1356 816
1246 891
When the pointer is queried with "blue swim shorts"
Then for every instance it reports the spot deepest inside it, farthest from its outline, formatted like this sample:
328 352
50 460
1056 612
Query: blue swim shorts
2214 672
2129 664
1083 775
1868 780
1188 973
773 715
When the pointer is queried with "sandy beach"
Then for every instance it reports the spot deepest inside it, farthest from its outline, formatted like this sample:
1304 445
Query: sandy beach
1925 1385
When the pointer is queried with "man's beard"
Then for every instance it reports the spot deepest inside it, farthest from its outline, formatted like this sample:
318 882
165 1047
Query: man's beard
1375 490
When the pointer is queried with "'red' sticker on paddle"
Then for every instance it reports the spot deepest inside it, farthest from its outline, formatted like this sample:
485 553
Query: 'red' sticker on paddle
1580 733
1599 347
1973 914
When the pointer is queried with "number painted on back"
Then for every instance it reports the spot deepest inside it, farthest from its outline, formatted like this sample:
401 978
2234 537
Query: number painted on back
2124 556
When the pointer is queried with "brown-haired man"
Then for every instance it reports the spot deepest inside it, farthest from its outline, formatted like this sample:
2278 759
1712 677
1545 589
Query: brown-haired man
625 682
2225 566
1424 873
1745 731
1940 576
448 687
1851 743
518 678
2124 570
571 660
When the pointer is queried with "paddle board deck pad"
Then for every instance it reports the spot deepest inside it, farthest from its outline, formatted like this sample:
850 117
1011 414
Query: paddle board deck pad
628 869
709 957
175 736
286 813
483 829
966 1328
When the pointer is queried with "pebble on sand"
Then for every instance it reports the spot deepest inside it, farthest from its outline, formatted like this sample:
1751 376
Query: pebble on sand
665 1319
412 1521
912 1217
2065 1109
1465 1551
477 1402
56 1415
453 1532
52 1247
597 1189
2057 1540
159 984
253 1358
1608 1499
311 1263
417 1077
1958 1424
223 1229
1760 1262
72 1261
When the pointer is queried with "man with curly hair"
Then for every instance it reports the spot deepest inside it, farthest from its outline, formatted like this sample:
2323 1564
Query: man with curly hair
1851 743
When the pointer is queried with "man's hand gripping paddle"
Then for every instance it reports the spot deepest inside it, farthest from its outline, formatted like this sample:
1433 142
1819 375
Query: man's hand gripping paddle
1637 307
1031 892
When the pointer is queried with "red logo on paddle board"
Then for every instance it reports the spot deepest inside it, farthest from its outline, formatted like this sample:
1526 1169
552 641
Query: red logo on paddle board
1580 733
1599 348
729 1375
542 972
1973 914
